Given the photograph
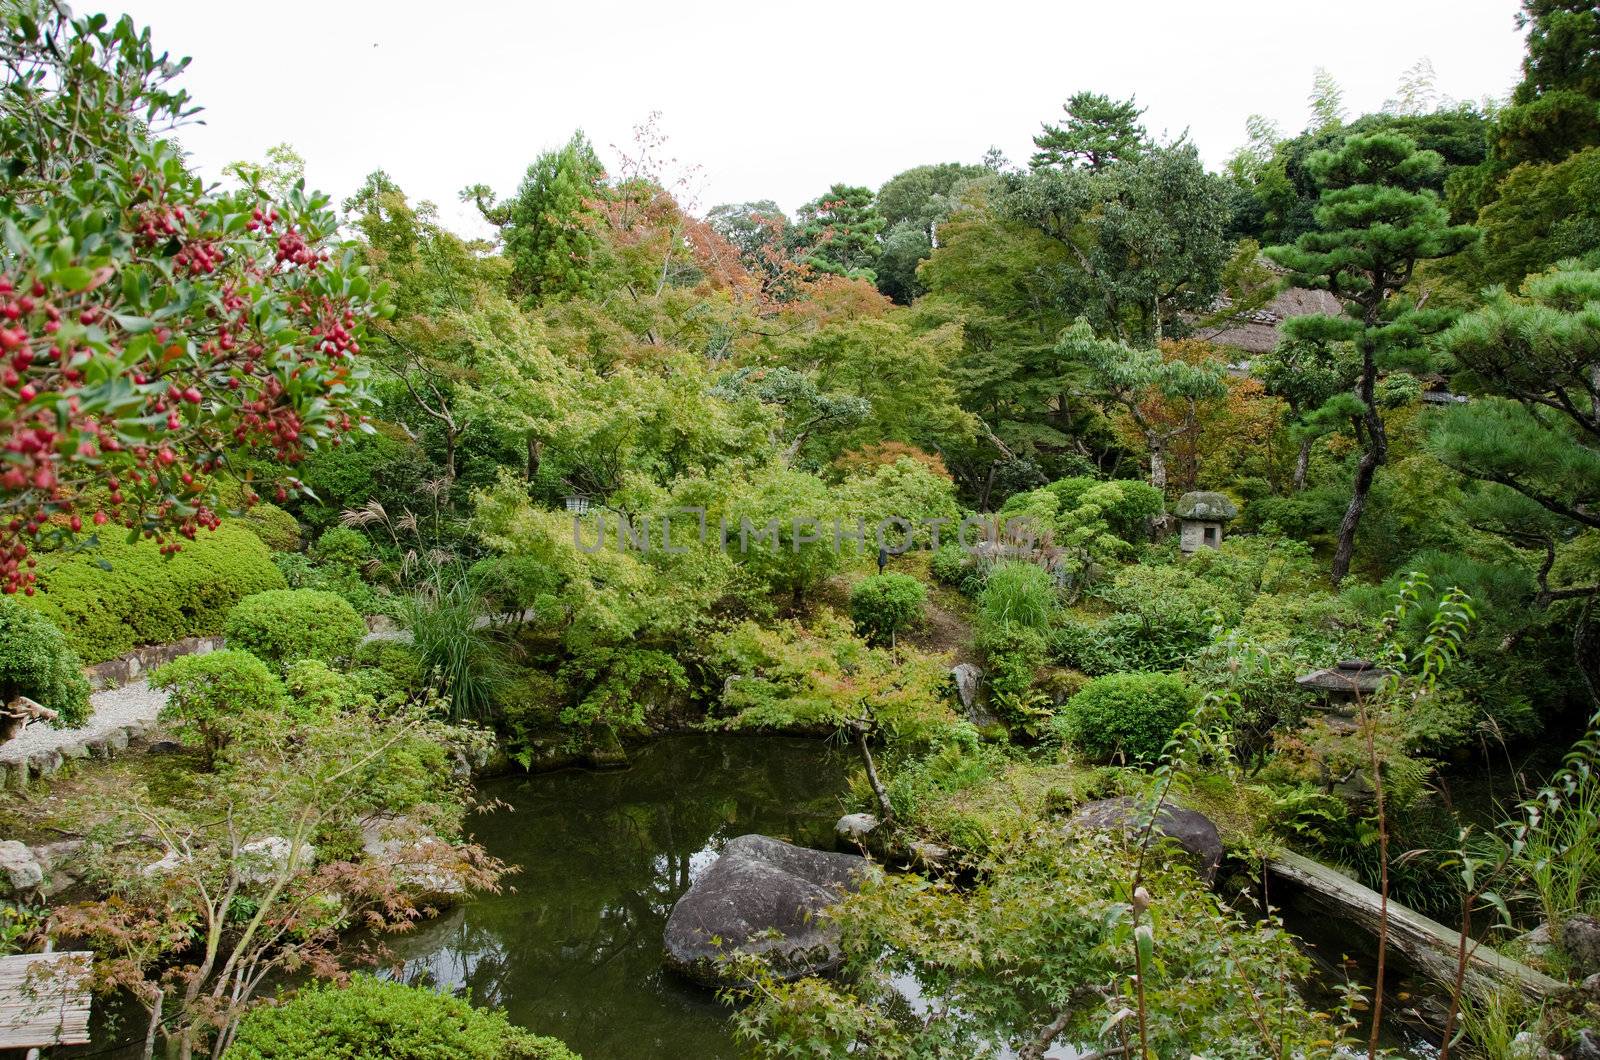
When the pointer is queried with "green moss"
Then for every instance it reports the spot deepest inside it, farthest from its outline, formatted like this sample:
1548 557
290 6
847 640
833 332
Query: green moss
114 596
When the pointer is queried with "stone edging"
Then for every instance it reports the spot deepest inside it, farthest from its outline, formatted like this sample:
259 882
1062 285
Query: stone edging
125 669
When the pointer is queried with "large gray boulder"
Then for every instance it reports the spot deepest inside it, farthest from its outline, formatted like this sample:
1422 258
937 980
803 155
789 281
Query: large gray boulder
264 860
421 862
1580 938
1192 831
20 872
968 680
761 898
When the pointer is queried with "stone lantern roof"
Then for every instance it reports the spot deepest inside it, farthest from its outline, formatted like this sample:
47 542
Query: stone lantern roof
1349 677
1206 506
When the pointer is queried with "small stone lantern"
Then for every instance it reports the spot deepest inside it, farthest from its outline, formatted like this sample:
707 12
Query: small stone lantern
1200 518
1343 686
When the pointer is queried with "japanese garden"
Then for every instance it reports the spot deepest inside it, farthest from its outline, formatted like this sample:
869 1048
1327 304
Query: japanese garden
1100 604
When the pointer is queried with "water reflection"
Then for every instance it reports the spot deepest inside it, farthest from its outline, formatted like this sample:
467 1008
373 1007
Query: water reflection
575 950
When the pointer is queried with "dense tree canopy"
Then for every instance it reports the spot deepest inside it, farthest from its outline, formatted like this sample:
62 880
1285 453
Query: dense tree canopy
901 471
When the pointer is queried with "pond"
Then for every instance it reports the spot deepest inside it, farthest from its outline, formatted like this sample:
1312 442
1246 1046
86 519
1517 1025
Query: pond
575 950
572 948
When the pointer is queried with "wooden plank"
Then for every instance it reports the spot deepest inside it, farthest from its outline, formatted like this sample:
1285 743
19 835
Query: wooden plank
1430 946
45 999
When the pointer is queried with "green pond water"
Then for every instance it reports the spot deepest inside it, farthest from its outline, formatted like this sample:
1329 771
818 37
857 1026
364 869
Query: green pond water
575 950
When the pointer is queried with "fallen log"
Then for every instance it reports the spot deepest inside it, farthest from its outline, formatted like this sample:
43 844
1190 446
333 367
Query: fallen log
1428 945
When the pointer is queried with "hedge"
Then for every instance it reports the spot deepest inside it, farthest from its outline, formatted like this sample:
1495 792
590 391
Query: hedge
375 1019
115 596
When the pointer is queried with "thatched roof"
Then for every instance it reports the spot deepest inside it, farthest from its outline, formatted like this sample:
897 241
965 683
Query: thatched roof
1257 331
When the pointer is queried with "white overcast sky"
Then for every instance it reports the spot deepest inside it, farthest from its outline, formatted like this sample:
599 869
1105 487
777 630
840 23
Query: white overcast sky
773 100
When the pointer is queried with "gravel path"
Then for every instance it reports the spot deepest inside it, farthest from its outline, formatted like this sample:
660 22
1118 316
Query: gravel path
132 706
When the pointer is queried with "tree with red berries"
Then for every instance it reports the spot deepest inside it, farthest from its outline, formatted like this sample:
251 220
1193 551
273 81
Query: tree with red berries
151 330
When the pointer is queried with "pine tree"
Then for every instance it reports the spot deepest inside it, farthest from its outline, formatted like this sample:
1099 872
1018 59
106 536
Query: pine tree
1553 109
549 227
1532 439
1537 431
839 232
1376 218
1098 132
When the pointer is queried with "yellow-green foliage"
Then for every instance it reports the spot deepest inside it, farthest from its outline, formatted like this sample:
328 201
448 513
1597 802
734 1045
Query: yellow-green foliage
792 676
275 527
906 490
113 597
977 798
606 595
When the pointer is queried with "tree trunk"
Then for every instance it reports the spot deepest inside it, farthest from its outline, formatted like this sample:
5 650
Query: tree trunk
1158 462
885 807
1375 452
533 457
153 1026
1302 463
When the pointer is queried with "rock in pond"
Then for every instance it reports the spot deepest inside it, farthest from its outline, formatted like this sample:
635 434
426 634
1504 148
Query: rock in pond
1192 831
760 898
422 863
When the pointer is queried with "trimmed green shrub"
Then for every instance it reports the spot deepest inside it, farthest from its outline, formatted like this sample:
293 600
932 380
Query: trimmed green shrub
114 596
218 696
951 564
886 604
375 1019
1012 657
397 664
284 625
1130 715
301 573
36 661
342 547
276 528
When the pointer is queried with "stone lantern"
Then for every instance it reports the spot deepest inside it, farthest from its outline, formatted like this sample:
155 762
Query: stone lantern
1201 516
1343 686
